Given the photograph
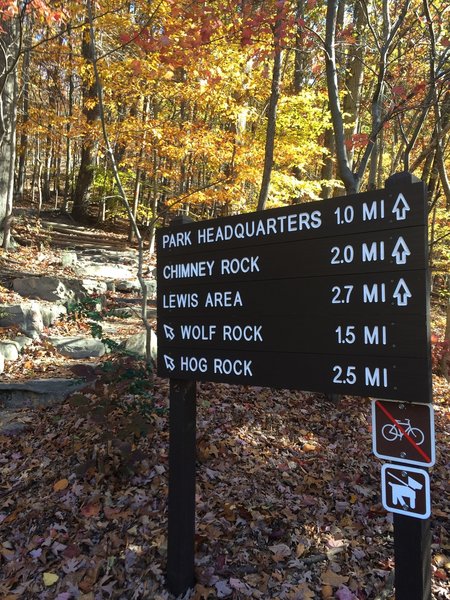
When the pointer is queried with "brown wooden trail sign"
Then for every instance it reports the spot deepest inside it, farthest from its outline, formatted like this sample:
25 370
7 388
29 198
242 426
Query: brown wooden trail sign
240 299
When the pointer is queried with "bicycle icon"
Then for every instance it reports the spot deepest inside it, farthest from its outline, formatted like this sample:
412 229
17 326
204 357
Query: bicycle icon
391 432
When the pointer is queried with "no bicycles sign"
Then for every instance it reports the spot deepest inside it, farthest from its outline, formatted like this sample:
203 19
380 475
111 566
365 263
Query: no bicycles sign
403 431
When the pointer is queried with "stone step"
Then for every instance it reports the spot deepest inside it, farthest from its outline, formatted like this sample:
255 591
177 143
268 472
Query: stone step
38 392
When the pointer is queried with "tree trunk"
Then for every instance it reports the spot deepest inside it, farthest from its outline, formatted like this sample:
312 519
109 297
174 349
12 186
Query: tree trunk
23 148
272 113
351 176
445 363
300 59
9 41
47 167
437 111
345 172
354 80
82 193
328 163
69 160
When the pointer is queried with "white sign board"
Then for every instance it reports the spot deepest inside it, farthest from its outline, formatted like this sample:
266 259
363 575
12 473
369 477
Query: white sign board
406 491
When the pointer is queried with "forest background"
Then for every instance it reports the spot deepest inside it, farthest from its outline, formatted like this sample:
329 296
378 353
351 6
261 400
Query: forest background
204 103
146 110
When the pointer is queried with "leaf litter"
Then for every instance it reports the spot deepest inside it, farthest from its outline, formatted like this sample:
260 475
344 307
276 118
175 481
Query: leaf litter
288 499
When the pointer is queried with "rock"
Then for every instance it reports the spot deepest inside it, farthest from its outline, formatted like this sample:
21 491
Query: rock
106 271
31 318
35 323
151 288
9 349
51 313
133 285
68 258
122 257
125 312
23 315
2 363
14 428
55 289
38 392
127 286
78 347
136 344
92 287
22 341
9 426
48 288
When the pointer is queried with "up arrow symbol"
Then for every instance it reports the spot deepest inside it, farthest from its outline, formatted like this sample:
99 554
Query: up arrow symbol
402 293
400 208
400 251
169 331
170 363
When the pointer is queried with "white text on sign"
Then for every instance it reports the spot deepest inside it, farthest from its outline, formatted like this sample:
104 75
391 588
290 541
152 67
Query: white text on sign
219 366
204 268
375 210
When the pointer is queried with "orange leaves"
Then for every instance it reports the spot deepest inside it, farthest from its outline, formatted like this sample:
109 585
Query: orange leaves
60 485
308 447
357 140
8 8
136 65
91 509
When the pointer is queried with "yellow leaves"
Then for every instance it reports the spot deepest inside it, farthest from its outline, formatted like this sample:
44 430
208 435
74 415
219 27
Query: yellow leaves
60 485
90 103
50 578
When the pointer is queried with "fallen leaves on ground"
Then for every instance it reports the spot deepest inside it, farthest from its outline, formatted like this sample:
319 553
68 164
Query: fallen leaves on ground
288 499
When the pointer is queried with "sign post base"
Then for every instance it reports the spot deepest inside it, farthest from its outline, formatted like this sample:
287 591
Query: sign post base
181 517
412 546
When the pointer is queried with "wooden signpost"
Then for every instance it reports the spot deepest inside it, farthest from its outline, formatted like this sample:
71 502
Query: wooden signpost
329 296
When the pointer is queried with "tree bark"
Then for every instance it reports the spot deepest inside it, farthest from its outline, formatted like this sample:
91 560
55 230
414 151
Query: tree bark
300 59
350 182
354 80
69 158
445 363
91 111
272 113
9 50
23 146
437 111
328 163
351 176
